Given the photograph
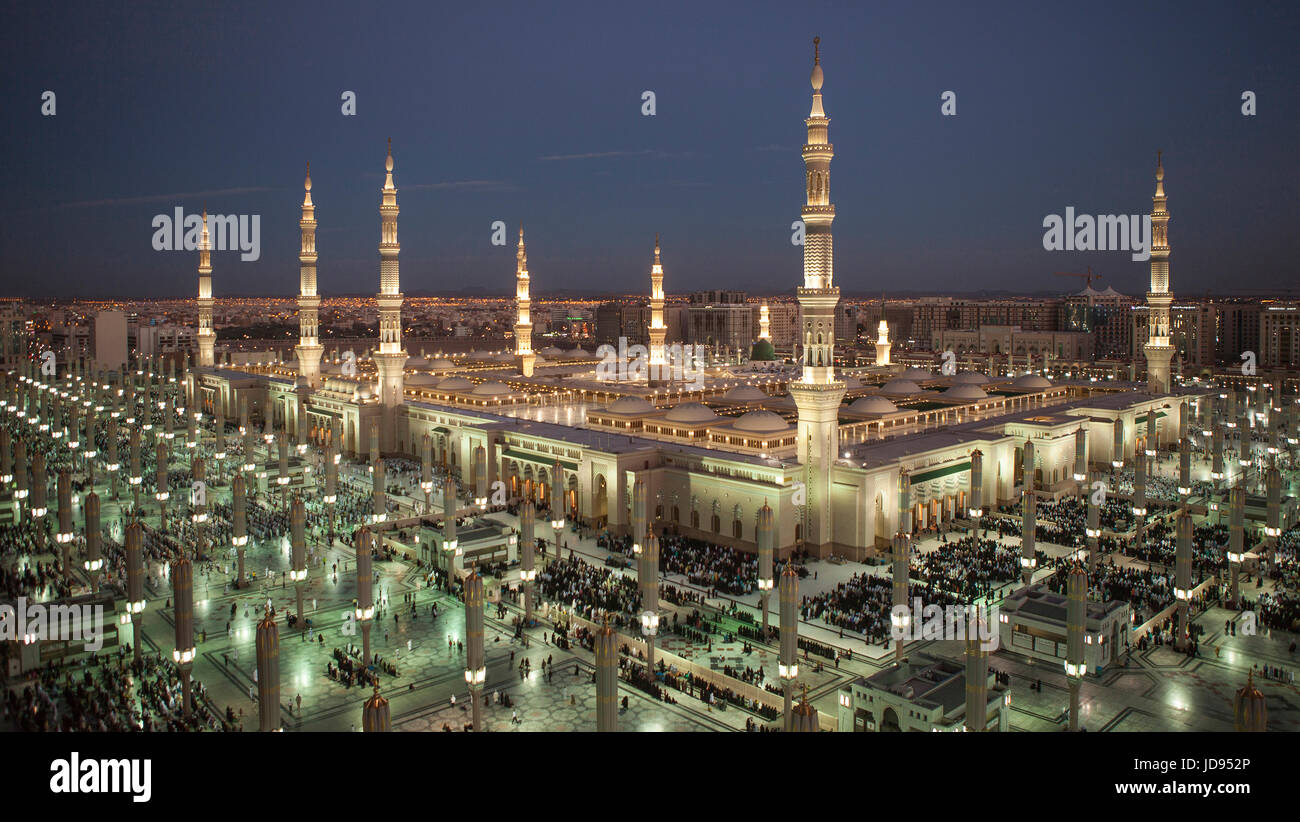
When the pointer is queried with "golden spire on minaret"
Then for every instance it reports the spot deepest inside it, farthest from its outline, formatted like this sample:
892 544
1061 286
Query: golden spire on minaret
1158 349
207 336
657 330
309 348
390 359
817 393
523 302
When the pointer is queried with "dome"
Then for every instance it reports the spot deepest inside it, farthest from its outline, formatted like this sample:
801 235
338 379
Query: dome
965 392
551 351
900 386
576 353
761 422
691 412
416 362
630 405
441 364
1032 382
969 378
763 351
505 356
744 393
421 380
490 389
873 405
915 373
455 384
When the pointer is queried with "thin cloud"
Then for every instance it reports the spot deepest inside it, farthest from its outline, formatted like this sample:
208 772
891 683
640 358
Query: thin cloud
472 185
157 198
594 155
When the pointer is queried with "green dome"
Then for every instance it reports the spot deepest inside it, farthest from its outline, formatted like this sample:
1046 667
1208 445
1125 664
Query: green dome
763 350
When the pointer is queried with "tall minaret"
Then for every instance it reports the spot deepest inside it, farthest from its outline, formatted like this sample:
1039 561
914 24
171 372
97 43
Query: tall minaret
524 326
658 332
1159 298
207 337
817 393
309 347
764 323
390 359
882 337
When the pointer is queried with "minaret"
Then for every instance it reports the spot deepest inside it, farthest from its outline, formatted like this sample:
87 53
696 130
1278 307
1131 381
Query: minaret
1158 350
882 337
658 332
390 359
309 347
524 326
764 323
207 337
817 394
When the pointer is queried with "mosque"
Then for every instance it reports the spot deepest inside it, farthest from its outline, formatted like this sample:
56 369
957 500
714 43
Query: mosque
827 449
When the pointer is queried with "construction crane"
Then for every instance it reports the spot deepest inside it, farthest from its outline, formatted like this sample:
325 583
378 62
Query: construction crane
1088 278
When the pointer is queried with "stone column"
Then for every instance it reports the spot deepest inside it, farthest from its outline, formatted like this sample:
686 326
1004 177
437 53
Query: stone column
527 556
1183 576
183 599
378 496
199 500
606 679
298 549
1076 616
766 539
450 544
134 582
426 469
1139 500
160 478
977 675
480 478
365 611
475 667
788 669
239 525
268 674
64 535
1092 530
1080 459
94 540
1236 539
976 508
1028 534
648 581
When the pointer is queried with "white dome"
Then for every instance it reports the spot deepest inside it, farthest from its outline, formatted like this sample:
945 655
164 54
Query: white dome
1032 382
969 378
490 389
551 351
965 392
744 393
761 422
455 384
630 405
420 380
900 386
441 364
691 412
480 356
873 405
505 356
416 362
915 373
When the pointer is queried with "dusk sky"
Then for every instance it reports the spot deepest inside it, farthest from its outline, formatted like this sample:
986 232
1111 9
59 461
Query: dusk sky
531 112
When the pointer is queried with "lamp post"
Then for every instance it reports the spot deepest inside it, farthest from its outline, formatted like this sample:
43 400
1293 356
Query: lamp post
134 582
199 505
480 478
331 484
1080 459
21 490
135 477
1028 535
1092 530
113 466
268 674
1139 500
976 508
788 667
40 487
219 443
475 669
557 503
